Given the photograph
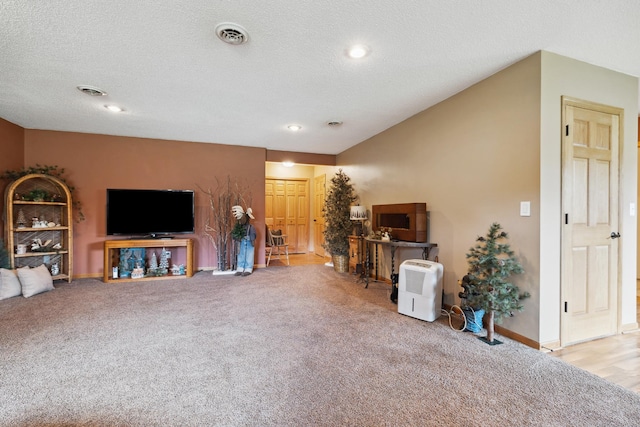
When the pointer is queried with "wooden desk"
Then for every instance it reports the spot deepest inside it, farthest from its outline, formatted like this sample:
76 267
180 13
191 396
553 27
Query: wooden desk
110 245
393 245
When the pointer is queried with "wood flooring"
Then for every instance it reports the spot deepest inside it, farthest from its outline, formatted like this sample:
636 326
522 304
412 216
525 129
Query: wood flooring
616 358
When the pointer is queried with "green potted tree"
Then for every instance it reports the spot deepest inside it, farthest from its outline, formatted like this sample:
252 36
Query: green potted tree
337 207
491 263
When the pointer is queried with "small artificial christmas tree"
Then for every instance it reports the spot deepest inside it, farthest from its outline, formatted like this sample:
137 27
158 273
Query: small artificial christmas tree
163 267
491 263
164 258
153 264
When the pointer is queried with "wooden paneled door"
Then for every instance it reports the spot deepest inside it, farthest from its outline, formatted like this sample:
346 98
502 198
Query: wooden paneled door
319 186
287 209
590 171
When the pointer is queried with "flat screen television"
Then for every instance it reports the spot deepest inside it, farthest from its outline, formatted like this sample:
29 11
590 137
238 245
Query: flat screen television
150 213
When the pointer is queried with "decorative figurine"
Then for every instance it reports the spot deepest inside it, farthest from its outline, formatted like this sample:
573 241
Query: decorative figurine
245 232
21 221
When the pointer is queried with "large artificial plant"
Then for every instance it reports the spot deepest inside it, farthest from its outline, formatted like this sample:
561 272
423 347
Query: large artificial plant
221 222
340 196
487 286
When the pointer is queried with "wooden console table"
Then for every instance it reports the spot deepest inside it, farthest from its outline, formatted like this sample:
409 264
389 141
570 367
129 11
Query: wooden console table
111 245
393 245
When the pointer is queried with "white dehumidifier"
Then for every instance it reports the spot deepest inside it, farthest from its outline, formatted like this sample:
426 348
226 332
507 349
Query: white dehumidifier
420 289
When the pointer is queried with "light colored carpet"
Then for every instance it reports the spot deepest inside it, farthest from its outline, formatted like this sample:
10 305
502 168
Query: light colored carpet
286 346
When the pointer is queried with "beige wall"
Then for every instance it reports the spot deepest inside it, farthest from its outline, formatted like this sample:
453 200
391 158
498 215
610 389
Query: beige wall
567 77
97 162
474 157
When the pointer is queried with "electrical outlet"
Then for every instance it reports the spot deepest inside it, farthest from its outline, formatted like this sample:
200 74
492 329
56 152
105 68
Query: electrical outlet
525 208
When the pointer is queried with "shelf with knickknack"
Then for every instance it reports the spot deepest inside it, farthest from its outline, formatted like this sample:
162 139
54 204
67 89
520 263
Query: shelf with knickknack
39 225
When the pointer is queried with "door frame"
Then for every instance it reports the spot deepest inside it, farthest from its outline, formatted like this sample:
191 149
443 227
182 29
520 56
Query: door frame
588 105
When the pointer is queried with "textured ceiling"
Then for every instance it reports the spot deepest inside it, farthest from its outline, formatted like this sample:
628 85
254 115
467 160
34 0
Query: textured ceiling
162 62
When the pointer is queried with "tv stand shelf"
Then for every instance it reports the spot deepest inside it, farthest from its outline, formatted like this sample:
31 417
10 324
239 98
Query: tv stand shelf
111 245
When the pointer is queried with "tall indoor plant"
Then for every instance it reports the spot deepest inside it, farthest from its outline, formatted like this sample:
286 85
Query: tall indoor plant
491 264
340 196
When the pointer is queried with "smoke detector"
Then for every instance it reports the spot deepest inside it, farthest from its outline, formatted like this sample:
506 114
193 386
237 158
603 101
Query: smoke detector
232 33
92 90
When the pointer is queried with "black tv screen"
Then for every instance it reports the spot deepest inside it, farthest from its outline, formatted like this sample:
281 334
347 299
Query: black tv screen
150 213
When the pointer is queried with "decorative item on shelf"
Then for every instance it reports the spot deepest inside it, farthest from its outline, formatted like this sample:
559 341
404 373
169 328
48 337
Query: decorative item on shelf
21 220
21 249
156 269
153 264
385 233
37 195
129 259
39 246
123 273
55 269
138 271
359 215
41 223
163 266
178 270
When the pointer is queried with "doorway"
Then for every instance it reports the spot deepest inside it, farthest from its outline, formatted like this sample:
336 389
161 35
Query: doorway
590 286
287 209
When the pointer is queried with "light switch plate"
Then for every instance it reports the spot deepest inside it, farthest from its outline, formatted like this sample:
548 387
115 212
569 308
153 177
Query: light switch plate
525 208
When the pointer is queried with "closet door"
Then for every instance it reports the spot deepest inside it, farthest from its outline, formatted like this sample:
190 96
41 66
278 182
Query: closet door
298 215
287 209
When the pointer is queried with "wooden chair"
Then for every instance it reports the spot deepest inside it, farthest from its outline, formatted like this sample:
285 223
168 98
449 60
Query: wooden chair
277 240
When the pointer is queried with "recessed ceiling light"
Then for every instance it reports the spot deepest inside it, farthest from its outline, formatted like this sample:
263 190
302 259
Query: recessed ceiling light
114 108
294 128
358 51
91 90
288 164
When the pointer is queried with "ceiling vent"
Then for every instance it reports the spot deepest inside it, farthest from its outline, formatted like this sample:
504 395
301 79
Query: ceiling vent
232 33
91 90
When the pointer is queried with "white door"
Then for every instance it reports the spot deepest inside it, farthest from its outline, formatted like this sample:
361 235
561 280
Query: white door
590 168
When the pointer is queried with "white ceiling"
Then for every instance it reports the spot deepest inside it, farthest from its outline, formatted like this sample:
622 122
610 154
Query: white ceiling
162 62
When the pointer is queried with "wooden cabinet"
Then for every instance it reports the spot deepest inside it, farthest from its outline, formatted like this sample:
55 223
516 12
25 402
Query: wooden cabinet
112 250
39 225
356 249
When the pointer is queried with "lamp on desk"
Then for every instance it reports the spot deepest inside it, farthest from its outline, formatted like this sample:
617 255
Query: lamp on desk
358 214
